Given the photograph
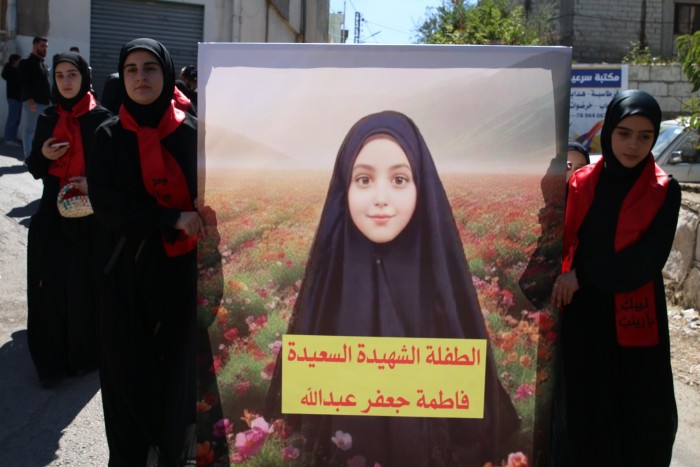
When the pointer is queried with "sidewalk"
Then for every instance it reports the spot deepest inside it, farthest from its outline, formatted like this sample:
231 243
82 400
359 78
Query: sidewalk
59 427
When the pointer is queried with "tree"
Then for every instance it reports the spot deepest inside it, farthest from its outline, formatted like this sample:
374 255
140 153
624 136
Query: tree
485 22
688 47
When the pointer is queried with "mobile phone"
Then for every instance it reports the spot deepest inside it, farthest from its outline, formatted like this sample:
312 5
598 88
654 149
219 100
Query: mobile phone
60 144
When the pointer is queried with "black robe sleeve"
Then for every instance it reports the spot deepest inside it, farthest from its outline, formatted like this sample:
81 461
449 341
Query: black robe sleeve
639 263
117 193
37 163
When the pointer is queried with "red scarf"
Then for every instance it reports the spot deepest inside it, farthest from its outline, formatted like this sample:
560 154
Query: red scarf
162 175
182 102
72 163
635 311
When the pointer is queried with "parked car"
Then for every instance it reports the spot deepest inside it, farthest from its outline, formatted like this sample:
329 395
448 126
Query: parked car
676 151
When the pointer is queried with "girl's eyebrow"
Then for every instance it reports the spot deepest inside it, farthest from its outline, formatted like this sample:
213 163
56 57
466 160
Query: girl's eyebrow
620 127
371 167
144 64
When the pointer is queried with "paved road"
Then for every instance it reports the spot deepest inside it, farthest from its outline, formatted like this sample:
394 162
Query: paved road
64 426
59 427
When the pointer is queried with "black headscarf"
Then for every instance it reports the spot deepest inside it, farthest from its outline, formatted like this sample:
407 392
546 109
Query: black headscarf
417 285
625 104
79 62
581 149
149 115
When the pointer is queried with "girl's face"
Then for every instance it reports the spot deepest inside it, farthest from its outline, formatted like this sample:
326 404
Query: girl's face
143 77
382 194
68 79
632 140
574 161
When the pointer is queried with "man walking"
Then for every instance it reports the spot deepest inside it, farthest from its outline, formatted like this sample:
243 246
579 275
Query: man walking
36 90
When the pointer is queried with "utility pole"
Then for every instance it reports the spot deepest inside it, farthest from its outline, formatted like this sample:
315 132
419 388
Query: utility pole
343 31
358 19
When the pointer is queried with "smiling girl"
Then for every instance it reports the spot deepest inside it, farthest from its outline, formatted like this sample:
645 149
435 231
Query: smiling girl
61 252
388 261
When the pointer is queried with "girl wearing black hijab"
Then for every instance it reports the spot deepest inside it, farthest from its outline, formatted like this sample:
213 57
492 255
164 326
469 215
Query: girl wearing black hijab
388 261
143 188
614 398
61 251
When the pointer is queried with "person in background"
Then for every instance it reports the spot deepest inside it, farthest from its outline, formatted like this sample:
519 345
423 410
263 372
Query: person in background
112 93
143 188
614 400
10 73
576 157
187 83
62 252
36 90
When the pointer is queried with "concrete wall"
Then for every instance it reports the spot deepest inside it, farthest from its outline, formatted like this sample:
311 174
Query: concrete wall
682 270
602 30
665 82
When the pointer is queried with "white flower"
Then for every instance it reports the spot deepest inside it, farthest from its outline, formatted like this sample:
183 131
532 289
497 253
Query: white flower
342 440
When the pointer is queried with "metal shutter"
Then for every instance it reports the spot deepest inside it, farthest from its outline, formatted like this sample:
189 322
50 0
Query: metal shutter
113 23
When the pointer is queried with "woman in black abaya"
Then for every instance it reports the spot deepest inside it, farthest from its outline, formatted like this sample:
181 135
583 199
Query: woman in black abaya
614 397
387 261
62 252
143 187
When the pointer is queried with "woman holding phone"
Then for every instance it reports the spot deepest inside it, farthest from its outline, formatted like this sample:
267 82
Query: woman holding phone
61 251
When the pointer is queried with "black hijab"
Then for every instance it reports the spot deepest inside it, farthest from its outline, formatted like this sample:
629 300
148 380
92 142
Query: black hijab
149 115
625 104
79 62
417 285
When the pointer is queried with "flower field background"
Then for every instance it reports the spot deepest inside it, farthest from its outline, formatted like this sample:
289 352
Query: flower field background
260 226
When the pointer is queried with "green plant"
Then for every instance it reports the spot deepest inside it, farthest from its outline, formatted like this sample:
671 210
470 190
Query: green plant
486 22
638 55
688 47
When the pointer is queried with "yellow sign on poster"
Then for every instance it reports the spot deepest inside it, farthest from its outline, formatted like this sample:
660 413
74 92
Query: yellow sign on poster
383 376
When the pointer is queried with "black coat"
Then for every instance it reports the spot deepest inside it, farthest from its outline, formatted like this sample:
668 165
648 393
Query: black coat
34 77
148 311
62 265
615 404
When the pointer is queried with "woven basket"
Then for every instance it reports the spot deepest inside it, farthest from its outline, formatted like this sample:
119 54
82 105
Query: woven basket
73 206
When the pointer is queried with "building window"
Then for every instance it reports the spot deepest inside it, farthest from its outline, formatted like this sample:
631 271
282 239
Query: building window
686 18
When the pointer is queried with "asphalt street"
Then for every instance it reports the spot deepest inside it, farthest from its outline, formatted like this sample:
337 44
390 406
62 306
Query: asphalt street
38 427
64 426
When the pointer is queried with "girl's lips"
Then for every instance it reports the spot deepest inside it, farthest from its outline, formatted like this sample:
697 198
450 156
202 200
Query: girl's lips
380 218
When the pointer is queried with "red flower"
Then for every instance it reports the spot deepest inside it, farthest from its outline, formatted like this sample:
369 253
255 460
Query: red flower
525 361
242 387
523 392
269 369
517 459
205 453
231 334
216 366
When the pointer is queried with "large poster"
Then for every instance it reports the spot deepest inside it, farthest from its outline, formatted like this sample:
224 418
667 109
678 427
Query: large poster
383 227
